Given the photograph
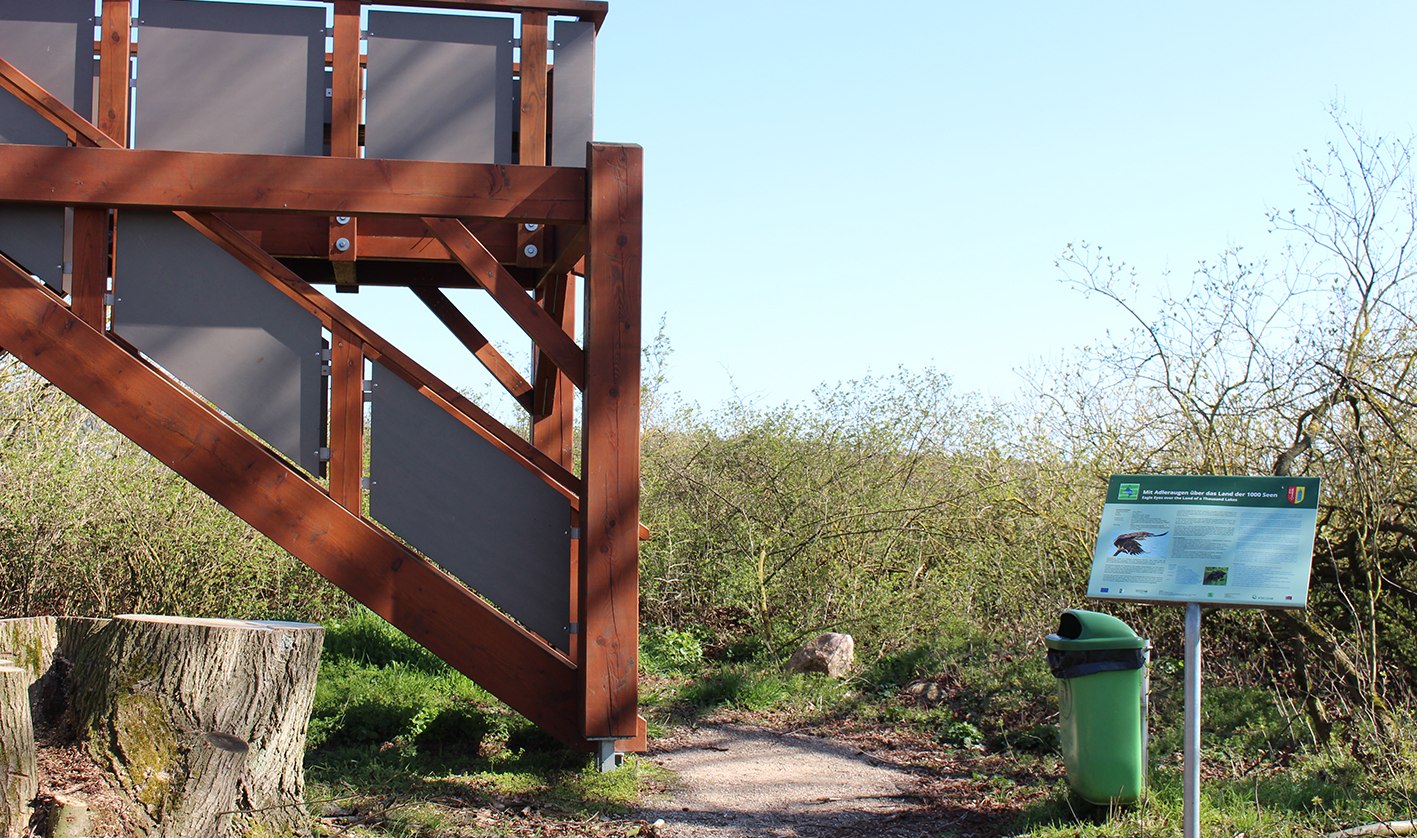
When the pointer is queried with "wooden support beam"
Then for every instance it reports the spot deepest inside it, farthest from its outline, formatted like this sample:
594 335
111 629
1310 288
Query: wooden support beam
469 336
346 467
344 81
244 476
531 238
115 69
93 226
342 248
570 255
482 266
197 181
91 266
552 429
609 589
406 239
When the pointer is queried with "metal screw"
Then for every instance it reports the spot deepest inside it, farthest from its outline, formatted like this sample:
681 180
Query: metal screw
341 244
341 220
532 228
530 251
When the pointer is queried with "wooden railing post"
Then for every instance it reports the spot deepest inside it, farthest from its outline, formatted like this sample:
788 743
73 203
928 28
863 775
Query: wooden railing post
610 505
344 134
346 418
532 124
93 225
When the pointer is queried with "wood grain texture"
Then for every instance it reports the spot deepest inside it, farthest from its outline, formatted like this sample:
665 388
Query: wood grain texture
19 767
344 80
389 238
243 475
346 442
609 589
532 144
91 265
115 69
345 76
196 181
531 151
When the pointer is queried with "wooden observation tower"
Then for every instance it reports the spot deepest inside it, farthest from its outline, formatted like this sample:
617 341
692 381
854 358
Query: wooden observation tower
176 177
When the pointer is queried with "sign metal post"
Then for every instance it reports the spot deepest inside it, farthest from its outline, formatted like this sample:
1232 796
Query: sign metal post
1192 745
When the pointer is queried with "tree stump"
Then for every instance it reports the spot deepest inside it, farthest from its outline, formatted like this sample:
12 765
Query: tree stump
19 773
200 720
45 648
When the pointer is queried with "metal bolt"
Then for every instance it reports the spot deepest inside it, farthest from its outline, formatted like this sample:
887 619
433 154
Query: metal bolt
341 220
341 244
530 251
532 228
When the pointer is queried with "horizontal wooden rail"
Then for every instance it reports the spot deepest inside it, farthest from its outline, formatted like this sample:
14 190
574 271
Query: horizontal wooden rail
202 181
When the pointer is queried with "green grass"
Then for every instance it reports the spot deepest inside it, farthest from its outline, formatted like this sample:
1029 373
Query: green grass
1318 795
399 737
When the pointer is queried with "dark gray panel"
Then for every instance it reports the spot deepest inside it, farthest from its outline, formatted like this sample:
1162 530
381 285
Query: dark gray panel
33 238
469 507
52 43
20 124
230 77
572 92
224 331
439 88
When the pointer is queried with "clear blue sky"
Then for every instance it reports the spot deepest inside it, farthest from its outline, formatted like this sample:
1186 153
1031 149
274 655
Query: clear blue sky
834 188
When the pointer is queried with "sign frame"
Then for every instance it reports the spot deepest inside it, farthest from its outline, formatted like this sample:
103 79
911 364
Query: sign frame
1221 541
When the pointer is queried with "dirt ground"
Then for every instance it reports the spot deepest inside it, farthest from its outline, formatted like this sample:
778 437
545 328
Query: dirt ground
747 781
731 778
738 780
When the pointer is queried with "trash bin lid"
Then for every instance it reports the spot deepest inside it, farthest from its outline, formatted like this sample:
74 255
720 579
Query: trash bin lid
1080 630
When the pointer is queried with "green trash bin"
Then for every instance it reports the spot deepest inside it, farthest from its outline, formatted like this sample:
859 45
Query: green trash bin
1101 667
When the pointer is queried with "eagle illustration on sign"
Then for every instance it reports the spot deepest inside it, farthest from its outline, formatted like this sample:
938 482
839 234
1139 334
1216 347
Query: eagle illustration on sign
1130 542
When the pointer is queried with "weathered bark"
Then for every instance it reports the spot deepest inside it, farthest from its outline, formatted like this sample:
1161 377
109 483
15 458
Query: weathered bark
45 648
19 775
200 719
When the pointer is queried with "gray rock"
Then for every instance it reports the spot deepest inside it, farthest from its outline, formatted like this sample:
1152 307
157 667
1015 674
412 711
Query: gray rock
831 653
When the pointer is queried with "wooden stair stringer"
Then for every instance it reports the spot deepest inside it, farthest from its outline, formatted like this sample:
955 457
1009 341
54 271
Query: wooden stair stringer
242 474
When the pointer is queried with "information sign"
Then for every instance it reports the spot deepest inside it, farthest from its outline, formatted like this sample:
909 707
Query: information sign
1224 541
